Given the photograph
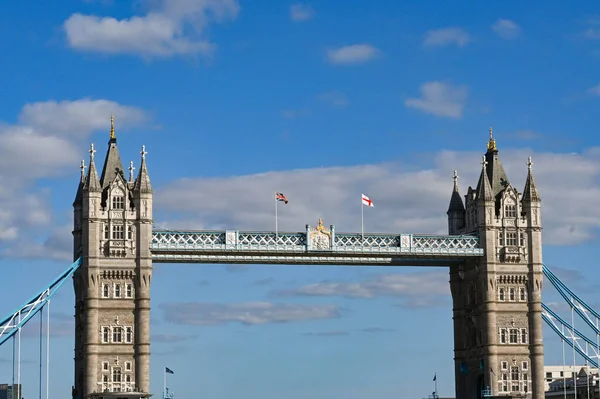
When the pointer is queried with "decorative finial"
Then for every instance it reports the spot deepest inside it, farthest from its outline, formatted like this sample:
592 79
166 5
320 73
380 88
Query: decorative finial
82 168
455 176
143 152
131 169
492 143
91 151
483 162
529 163
112 126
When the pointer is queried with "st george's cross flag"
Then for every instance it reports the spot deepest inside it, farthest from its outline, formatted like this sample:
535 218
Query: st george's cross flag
367 201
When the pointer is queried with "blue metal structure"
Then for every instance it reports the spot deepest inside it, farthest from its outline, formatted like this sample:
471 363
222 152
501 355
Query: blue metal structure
11 324
232 246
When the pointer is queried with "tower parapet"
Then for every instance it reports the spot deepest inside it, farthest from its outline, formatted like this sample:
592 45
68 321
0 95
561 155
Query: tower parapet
112 232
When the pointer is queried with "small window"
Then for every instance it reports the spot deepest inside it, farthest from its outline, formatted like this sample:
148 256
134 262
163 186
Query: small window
117 375
500 238
128 366
523 335
105 335
117 232
514 336
522 239
118 202
501 295
129 291
129 335
105 366
510 211
105 291
117 335
511 239
525 366
106 231
525 384
105 378
127 378
511 294
504 365
522 294
117 290
129 232
503 336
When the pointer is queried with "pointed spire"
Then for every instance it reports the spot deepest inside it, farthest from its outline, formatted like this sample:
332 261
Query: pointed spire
131 169
456 203
492 142
530 192
82 168
79 194
142 183
91 182
112 127
484 189
112 164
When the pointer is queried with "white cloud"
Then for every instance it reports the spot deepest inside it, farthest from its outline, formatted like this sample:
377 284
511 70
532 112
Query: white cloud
248 313
45 145
352 54
415 289
440 99
408 197
301 12
170 28
446 37
334 98
506 29
595 90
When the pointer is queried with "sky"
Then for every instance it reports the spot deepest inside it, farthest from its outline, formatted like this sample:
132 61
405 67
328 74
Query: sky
322 101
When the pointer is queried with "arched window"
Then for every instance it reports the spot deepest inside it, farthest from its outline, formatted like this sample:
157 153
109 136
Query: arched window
105 291
116 375
501 294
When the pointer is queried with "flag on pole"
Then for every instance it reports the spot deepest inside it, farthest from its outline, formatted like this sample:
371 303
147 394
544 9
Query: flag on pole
435 376
281 197
168 371
367 201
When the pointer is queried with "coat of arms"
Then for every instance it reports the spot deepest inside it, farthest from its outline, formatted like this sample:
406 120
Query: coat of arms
320 237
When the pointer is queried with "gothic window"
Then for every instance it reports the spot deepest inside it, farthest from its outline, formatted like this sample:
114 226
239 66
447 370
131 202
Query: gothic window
118 232
504 383
117 290
128 335
128 378
500 238
514 376
129 232
106 231
105 366
501 295
522 294
511 238
118 202
503 336
105 335
105 291
513 336
511 294
510 211
105 380
127 366
525 384
522 239
117 335
129 291
523 335
116 374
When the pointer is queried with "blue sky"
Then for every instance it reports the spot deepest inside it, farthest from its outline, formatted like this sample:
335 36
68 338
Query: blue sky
320 100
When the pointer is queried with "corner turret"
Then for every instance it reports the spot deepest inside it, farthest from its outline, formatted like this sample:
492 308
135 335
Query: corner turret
456 210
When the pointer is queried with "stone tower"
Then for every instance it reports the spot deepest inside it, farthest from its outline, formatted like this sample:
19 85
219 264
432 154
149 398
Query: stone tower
112 233
497 299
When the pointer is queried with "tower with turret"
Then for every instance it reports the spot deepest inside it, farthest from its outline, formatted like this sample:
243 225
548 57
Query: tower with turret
112 233
497 299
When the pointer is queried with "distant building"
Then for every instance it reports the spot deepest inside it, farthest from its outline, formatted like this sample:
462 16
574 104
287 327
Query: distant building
561 384
10 391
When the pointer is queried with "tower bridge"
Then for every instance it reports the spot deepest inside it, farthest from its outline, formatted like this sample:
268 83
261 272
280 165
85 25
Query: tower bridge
493 252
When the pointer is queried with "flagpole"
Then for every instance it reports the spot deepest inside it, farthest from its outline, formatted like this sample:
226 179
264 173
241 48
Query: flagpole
362 218
165 383
435 381
276 227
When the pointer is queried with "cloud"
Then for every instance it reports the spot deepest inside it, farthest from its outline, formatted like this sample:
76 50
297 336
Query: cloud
327 334
446 37
506 29
353 54
301 12
247 313
170 28
334 98
171 338
264 281
595 90
440 99
44 144
330 193
61 325
592 34
377 330
411 287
